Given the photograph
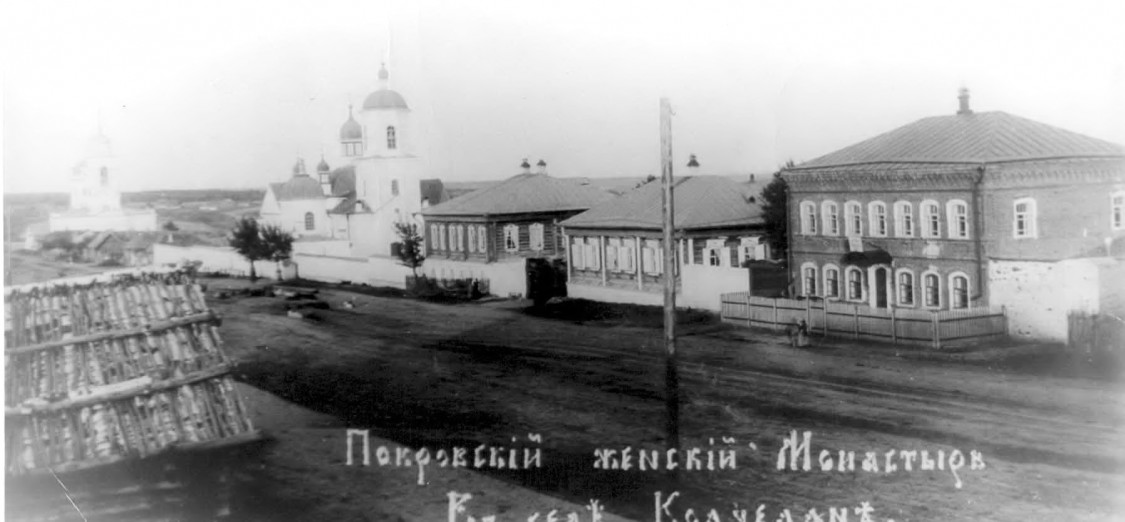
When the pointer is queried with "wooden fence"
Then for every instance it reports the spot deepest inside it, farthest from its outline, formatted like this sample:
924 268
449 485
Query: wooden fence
1101 334
937 329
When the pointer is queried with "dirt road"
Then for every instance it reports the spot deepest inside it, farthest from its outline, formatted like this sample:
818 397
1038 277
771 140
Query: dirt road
460 375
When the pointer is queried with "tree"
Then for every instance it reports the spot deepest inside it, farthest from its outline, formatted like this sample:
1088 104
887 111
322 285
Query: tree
170 226
775 197
410 250
246 239
278 245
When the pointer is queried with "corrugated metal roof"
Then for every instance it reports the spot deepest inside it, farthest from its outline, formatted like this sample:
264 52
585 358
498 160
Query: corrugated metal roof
700 202
520 194
968 138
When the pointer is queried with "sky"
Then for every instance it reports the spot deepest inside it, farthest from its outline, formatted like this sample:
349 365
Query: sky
227 94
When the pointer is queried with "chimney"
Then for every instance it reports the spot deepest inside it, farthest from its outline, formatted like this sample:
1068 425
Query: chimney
542 167
525 166
693 164
963 98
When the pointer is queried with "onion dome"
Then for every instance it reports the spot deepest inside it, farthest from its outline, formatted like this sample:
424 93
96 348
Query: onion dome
322 166
384 98
692 161
299 168
351 130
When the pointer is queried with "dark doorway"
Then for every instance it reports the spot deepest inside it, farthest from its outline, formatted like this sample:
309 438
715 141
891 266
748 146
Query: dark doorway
880 288
546 278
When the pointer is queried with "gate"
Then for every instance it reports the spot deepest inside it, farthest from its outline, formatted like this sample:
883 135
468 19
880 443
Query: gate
546 278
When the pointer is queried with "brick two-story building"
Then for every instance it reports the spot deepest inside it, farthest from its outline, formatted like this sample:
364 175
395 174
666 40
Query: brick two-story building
965 210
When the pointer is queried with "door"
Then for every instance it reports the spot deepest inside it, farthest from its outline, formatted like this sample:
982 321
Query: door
880 288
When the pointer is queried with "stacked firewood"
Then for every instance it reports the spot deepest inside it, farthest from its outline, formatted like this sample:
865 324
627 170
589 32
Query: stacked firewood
109 371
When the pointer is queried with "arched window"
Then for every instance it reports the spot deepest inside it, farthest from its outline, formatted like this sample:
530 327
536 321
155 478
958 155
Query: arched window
105 176
809 272
472 238
1024 220
1117 210
433 236
958 290
808 218
906 287
831 281
904 219
958 219
878 212
392 140
394 187
441 236
482 239
931 218
931 289
853 215
855 283
831 215
310 221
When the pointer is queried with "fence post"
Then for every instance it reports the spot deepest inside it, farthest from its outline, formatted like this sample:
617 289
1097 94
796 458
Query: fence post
894 329
937 330
775 314
749 312
855 319
825 318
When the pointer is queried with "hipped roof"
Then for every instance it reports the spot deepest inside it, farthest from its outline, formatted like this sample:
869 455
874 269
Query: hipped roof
524 193
699 202
968 138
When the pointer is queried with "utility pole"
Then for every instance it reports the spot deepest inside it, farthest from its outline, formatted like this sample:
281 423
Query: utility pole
671 373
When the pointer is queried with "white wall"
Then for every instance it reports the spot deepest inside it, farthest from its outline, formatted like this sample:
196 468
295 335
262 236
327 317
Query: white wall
505 278
607 294
340 248
213 259
375 271
1037 296
702 285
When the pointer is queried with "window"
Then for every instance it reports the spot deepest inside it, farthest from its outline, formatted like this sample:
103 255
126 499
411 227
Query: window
472 239
931 287
808 218
878 212
512 238
578 253
1117 211
441 236
831 215
904 219
831 281
482 238
958 219
652 259
626 257
310 221
810 279
905 288
931 218
855 283
853 214
593 260
750 248
535 237
392 140
1024 219
105 177
433 236
394 187
457 239
959 291
612 250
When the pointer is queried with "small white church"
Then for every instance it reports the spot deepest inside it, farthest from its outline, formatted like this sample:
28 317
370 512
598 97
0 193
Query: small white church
95 202
351 211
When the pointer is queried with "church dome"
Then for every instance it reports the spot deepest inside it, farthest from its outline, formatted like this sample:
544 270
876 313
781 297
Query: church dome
322 166
350 130
384 98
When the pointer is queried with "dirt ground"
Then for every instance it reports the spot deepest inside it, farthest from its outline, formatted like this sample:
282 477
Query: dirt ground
460 375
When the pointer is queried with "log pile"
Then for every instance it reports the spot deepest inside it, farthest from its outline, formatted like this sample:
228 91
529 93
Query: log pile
104 372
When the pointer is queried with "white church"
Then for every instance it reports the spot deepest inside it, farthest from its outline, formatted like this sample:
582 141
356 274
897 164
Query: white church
95 202
351 211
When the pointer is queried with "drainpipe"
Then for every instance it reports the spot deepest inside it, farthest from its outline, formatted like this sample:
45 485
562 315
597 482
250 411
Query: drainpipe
978 232
789 243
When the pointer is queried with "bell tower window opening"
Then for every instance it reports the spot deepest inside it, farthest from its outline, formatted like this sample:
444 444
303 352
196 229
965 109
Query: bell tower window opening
310 221
392 139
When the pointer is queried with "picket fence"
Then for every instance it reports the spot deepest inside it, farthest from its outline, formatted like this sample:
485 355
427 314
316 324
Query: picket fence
937 329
